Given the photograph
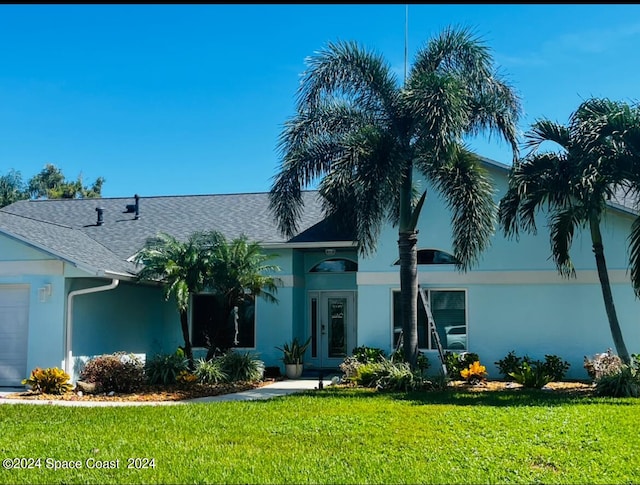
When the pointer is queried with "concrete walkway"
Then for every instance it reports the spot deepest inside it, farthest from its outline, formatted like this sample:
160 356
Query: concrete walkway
275 389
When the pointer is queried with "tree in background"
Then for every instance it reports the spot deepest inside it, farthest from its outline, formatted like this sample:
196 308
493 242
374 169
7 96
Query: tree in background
51 184
597 158
365 138
12 188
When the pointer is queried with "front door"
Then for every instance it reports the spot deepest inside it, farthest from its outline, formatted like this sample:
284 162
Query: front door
333 327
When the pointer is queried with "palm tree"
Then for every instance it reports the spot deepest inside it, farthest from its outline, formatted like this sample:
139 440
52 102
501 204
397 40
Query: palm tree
364 137
239 273
597 159
182 267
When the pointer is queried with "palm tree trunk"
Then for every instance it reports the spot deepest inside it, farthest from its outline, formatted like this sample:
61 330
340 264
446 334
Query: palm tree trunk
407 242
184 322
603 274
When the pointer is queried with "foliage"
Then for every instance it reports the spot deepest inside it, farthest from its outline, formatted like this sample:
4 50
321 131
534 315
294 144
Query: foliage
624 382
553 366
232 269
597 158
385 375
531 374
12 188
422 361
511 363
293 352
360 136
602 364
183 268
366 354
475 373
210 371
349 367
51 380
186 377
242 366
118 372
50 183
165 368
239 272
456 362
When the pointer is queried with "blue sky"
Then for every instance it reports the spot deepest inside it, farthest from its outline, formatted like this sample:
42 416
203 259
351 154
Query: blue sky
190 99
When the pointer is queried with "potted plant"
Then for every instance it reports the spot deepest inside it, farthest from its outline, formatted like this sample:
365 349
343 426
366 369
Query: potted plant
293 354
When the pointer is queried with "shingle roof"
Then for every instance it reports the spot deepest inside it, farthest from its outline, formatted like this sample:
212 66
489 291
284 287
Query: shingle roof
68 228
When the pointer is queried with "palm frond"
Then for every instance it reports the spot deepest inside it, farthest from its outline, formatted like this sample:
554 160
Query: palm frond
347 69
634 256
561 230
468 193
546 131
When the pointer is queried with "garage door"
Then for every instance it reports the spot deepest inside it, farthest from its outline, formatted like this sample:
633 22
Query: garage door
14 326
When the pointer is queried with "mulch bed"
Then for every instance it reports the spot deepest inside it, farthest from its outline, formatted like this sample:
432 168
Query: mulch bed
148 393
191 391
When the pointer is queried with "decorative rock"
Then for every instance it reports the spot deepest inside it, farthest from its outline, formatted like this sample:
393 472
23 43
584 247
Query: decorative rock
112 393
79 393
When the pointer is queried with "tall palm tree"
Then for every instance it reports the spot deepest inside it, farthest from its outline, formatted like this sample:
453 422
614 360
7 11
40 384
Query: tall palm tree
364 137
239 273
597 158
183 268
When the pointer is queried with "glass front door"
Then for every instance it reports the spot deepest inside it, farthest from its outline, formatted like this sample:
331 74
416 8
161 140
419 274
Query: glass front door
332 327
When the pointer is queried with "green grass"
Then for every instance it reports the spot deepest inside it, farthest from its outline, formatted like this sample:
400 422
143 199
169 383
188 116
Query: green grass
337 436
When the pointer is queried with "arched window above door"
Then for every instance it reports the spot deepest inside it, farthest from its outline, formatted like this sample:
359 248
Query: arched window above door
434 256
335 265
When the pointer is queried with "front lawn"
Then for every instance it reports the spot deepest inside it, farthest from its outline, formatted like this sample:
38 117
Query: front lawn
333 436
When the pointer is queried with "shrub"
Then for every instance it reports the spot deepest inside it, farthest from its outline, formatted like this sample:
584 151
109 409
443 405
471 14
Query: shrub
475 373
422 362
242 366
456 362
555 367
532 374
349 367
118 372
364 354
511 363
623 383
210 371
165 368
51 380
386 375
603 364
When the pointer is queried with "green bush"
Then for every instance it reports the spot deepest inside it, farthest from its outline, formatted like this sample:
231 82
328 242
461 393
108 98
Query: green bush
386 375
364 354
511 363
51 380
242 366
532 374
117 372
210 371
165 368
457 362
553 366
623 383
422 362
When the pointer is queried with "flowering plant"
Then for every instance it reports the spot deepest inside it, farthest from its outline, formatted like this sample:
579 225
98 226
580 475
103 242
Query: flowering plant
475 374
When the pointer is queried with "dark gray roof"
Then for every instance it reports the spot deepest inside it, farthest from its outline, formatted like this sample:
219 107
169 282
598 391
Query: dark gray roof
68 228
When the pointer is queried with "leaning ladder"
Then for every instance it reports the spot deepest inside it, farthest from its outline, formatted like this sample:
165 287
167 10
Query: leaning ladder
432 328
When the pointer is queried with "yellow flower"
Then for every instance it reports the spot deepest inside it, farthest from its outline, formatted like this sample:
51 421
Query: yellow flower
475 371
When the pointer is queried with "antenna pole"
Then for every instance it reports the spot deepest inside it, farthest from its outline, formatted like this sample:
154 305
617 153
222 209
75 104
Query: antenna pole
406 41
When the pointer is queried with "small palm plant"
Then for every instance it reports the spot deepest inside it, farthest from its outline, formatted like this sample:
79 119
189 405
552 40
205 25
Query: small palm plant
293 352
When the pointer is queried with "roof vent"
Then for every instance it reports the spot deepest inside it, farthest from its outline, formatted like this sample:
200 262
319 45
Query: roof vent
100 212
134 208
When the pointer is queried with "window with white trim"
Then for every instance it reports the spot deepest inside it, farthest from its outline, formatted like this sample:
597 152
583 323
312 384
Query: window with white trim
213 325
448 308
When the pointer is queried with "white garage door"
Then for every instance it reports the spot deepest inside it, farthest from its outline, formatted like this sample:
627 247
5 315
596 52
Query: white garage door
14 326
